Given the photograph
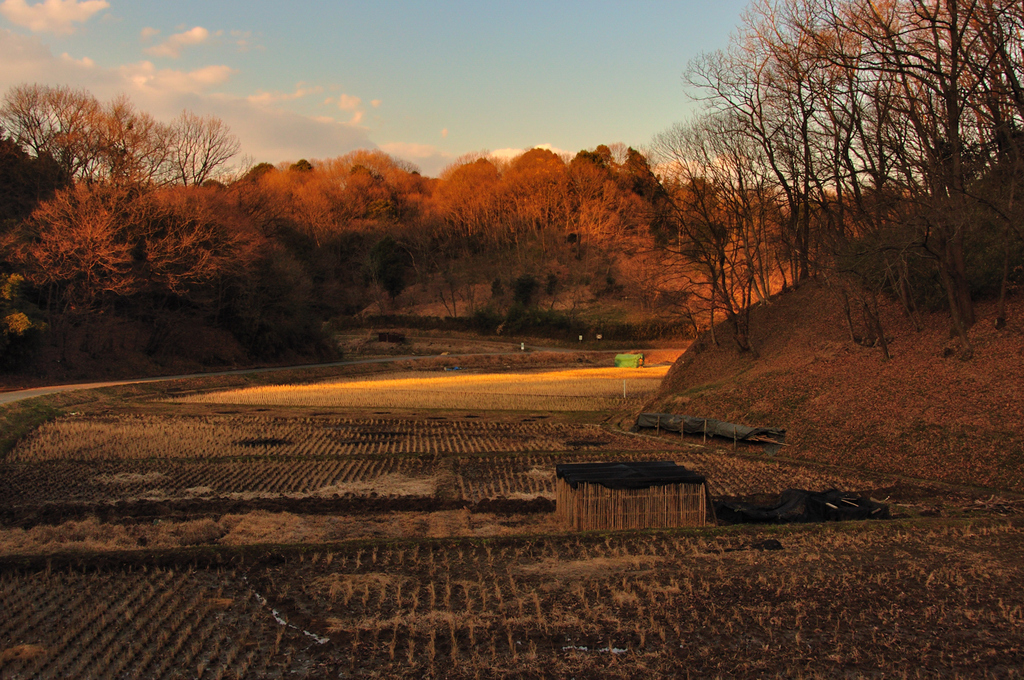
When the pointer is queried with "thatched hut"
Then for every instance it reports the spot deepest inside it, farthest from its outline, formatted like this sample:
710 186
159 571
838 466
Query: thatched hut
634 495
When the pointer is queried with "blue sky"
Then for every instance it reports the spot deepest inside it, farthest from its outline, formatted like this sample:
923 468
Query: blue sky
424 81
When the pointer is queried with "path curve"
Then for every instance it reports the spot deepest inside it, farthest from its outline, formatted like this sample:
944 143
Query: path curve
19 395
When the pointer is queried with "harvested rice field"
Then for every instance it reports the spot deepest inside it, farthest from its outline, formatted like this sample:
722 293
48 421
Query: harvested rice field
369 528
138 437
586 389
942 601
85 458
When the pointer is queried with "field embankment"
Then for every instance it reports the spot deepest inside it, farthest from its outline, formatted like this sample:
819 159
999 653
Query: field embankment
922 413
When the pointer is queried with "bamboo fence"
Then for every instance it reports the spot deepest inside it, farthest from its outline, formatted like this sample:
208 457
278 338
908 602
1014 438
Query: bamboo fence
593 506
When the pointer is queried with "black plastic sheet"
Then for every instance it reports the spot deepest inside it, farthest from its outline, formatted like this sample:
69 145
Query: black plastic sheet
631 475
798 505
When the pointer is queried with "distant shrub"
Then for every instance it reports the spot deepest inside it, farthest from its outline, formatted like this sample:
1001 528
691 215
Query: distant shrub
523 290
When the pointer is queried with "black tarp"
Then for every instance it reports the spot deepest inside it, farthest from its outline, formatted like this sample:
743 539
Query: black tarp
631 475
798 505
709 426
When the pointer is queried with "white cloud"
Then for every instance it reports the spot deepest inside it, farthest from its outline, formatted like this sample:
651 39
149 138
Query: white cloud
25 59
53 16
267 133
173 45
512 153
507 153
147 77
267 98
146 33
274 135
348 103
84 61
244 41
375 103
444 133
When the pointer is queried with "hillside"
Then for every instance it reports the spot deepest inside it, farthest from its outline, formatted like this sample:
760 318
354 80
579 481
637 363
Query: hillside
923 413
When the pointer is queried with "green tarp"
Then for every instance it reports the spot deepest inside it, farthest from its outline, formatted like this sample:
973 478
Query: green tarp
629 360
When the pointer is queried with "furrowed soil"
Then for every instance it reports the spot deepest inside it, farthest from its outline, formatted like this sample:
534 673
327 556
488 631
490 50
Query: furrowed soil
145 536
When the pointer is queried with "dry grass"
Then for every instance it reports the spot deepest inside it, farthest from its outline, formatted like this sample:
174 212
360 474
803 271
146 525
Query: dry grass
946 600
588 389
137 437
258 527
151 623
473 478
923 413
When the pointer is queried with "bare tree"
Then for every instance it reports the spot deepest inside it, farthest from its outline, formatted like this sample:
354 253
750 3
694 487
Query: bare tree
724 214
200 146
59 122
134 146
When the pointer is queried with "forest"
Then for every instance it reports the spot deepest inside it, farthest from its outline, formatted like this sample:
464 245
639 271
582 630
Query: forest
873 146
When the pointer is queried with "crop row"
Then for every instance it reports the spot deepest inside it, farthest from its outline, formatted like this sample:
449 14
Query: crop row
727 475
151 623
947 599
473 478
145 436
713 606
78 481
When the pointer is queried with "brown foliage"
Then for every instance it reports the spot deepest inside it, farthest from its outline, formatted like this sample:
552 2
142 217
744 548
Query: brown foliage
922 413
94 243
81 246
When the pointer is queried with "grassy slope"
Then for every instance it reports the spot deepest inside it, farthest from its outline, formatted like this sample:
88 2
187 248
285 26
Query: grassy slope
920 413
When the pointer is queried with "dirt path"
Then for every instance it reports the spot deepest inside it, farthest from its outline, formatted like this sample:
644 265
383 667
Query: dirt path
18 395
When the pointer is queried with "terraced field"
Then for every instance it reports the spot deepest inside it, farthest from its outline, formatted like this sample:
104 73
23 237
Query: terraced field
109 458
163 539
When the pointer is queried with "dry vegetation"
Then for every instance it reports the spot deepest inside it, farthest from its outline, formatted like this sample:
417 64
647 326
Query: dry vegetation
125 437
590 389
87 458
940 601
160 540
923 413
149 623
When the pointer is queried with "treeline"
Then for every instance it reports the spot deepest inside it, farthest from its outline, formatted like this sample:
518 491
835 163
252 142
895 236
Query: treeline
876 145
110 215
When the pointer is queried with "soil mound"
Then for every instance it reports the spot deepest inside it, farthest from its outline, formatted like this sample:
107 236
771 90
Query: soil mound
923 412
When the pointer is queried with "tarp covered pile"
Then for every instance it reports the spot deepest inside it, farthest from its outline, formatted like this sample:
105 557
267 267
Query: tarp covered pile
797 505
710 427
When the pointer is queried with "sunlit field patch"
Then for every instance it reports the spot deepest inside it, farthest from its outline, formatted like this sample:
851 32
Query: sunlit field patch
589 389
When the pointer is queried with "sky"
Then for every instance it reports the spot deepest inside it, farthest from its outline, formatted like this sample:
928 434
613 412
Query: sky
425 81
